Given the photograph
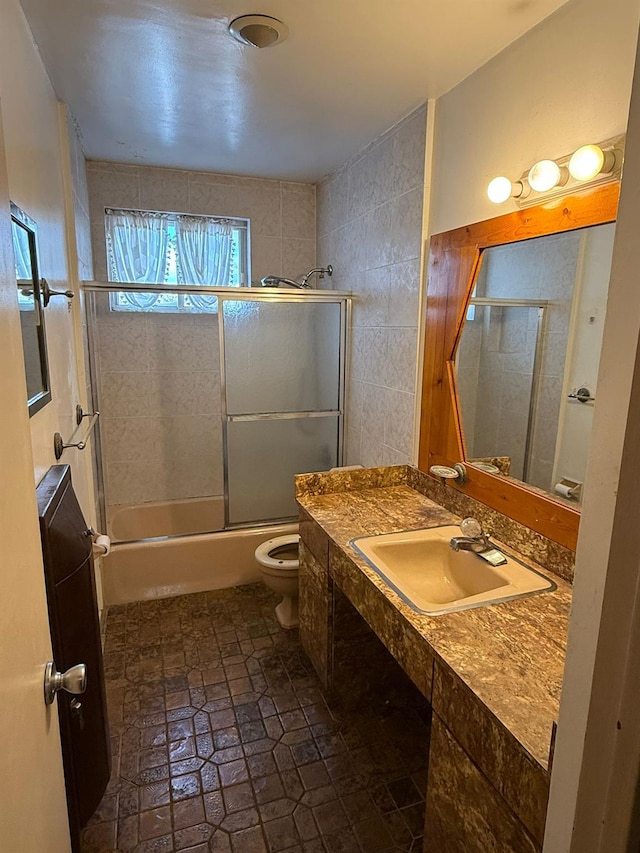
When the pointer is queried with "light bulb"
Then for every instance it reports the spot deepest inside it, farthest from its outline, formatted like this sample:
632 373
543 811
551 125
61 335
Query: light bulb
589 161
544 175
499 190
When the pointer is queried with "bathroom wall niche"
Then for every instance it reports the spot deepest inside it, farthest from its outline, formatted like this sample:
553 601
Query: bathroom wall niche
456 260
31 306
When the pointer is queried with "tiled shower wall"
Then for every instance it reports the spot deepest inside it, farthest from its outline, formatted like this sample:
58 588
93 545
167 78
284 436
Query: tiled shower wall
159 390
159 374
282 213
370 228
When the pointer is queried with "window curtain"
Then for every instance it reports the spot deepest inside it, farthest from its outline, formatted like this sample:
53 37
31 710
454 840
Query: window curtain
204 250
137 251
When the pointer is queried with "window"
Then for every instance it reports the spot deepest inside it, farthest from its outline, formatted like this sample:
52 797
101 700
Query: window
144 247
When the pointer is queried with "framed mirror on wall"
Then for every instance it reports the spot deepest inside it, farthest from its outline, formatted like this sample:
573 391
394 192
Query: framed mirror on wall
31 306
515 312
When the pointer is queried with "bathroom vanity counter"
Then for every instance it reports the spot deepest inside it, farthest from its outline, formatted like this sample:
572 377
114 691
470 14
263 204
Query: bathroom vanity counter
493 674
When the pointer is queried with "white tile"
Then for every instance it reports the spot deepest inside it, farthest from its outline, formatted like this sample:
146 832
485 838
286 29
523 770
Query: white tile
376 236
298 257
182 346
123 394
371 451
401 359
210 199
371 308
376 356
352 455
332 202
409 152
398 421
406 226
266 256
355 396
195 393
373 409
404 293
123 344
132 439
164 189
112 188
298 215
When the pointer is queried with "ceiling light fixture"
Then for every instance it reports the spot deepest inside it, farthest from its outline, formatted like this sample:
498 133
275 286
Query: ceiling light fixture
258 30
588 166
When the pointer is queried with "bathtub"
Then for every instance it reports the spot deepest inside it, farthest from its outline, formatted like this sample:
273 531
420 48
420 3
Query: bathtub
162 567
128 522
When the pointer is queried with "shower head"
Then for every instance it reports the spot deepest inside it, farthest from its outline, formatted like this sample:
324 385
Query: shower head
322 271
276 281
303 284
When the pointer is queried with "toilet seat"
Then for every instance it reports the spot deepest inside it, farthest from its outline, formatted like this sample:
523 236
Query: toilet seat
265 559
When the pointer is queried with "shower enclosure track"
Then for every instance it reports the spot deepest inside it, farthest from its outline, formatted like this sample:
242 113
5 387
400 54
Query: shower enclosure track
248 294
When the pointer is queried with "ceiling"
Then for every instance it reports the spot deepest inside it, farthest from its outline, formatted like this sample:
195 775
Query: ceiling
161 83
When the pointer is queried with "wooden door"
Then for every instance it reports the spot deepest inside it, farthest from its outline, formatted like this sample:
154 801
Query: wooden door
75 638
33 812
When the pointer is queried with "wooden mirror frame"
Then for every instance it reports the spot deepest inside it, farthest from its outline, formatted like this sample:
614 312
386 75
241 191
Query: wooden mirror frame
454 261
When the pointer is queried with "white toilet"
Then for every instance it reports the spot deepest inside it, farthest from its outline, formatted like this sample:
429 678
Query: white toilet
278 562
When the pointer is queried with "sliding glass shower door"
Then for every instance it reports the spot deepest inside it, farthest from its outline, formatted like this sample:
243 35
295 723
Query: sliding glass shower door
282 368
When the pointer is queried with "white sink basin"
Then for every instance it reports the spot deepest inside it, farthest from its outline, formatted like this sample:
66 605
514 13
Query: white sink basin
433 579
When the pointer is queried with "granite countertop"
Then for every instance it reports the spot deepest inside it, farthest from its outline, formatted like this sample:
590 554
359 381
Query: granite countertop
510 654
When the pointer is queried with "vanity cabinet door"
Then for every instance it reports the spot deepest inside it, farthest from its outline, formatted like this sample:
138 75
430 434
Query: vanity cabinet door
465 814
315 608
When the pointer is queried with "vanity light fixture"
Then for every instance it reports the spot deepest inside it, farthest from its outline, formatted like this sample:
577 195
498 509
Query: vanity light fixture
545 175
589 161
588 166
501 188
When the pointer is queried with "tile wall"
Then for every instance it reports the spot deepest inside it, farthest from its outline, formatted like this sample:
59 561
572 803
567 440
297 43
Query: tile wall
370 228
282 213
159 374
159 391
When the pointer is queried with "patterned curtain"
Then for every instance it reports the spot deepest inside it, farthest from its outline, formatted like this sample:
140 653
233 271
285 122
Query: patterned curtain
204 250
137 251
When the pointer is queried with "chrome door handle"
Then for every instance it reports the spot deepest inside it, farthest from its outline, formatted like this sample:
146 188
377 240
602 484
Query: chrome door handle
74 680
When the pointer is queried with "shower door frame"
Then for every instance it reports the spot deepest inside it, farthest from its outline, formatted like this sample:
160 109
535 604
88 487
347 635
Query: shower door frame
541 305
275 295
248 294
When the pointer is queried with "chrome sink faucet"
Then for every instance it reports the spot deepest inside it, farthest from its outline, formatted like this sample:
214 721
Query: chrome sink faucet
474 539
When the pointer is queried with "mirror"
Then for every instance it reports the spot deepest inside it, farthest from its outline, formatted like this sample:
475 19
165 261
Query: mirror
34 346
527 360
514 316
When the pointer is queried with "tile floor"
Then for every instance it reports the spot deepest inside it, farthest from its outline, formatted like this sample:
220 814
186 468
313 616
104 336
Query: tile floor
223 740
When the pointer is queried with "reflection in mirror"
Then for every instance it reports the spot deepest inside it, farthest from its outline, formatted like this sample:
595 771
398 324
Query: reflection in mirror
31 312
531 339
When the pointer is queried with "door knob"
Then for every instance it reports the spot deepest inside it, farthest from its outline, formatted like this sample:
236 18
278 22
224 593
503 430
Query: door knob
74 680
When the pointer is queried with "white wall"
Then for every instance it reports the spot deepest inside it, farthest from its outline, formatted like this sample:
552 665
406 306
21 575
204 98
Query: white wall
597 756
565 83
36 147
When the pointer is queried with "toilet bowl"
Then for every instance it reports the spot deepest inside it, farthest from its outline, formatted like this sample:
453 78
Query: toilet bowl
278 562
